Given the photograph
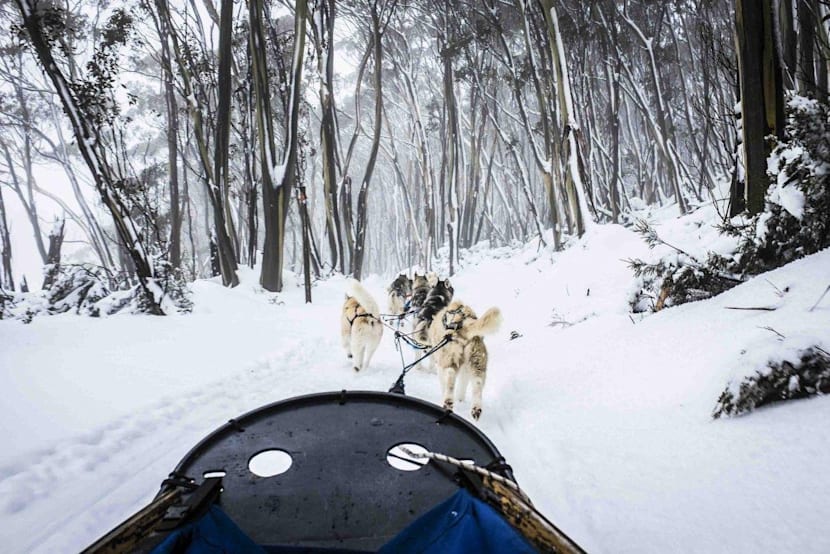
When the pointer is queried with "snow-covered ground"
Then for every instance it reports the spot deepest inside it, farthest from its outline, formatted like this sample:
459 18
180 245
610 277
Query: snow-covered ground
604 415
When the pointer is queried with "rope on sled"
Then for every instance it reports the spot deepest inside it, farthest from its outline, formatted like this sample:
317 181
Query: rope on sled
470 466
513 503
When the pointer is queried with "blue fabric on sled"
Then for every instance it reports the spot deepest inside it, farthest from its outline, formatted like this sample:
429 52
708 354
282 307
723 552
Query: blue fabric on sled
213 533
460 524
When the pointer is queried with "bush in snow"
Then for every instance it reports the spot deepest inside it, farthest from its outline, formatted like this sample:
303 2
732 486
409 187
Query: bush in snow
781 381
94 291
78 288
794 223
678 278
7 301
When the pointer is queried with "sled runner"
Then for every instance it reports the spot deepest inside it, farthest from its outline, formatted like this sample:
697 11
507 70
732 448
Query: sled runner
350 487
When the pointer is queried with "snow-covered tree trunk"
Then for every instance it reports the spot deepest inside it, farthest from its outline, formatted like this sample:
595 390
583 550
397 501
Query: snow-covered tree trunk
53 260
323 35
278 180
574 174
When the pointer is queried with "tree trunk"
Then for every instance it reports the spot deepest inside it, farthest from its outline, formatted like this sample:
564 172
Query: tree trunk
276 187
761 94
574 176
222 216
172 150
362 197
6 275
53 260
328 131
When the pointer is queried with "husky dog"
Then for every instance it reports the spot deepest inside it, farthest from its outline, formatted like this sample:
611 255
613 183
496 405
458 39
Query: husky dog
360 328
464 355
420 289
438 297
399 292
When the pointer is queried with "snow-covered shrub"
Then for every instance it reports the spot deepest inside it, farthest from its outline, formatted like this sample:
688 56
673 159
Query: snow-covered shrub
7 302
95 292
173 285
794 223
677 278
796 220
78 288
780 381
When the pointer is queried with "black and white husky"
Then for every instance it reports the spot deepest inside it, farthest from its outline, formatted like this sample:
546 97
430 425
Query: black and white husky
438 297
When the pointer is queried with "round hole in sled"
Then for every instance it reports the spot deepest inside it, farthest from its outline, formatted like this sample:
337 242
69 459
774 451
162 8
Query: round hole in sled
269 463
399 456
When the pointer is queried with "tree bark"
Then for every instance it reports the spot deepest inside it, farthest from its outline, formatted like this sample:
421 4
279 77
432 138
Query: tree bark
761 95
6 276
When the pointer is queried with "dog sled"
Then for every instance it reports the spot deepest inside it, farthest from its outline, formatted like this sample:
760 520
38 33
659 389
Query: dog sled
358 472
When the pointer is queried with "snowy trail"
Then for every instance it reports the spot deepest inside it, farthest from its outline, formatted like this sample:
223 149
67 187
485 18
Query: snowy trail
136 451
605 418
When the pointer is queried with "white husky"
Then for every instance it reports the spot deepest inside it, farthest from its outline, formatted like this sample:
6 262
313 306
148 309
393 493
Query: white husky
360 326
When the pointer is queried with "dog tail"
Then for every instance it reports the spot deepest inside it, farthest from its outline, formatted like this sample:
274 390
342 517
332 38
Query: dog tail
363 297
487 324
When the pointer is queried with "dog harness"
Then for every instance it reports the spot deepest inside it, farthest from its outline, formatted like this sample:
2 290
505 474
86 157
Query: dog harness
452 326
357 315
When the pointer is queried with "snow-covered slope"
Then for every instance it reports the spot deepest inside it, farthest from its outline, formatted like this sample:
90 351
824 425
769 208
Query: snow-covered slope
605 416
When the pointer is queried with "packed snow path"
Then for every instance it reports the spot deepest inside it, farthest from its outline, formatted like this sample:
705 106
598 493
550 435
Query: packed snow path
605 417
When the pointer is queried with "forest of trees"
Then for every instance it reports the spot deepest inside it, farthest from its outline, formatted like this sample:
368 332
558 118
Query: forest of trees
364 136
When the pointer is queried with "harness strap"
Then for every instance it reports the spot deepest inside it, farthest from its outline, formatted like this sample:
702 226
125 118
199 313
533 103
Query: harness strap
399 387
352 320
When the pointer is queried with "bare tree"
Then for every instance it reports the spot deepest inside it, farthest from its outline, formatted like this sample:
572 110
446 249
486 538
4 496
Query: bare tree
107 177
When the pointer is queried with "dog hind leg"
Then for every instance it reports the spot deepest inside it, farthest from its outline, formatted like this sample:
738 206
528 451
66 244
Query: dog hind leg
369 351
448 375
463 379
358 351
346 336
478 377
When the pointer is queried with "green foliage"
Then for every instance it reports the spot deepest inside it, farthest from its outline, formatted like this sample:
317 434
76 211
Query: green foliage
94 92
810 376
59 27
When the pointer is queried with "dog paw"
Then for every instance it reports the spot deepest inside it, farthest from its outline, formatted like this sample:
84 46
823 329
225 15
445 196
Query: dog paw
356 369
476 413
448 405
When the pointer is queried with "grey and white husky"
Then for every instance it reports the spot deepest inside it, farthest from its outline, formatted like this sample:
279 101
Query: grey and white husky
464 356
